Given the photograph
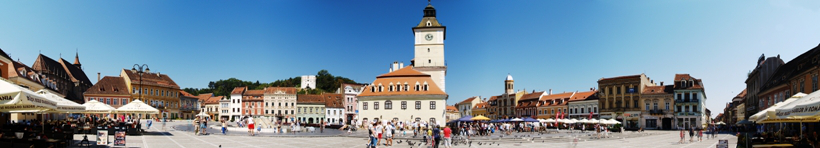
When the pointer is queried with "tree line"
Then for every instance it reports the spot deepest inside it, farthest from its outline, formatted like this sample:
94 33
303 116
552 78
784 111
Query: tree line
325 82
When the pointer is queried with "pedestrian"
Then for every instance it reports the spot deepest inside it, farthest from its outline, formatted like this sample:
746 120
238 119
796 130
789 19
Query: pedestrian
224 126
196 126
163 123
203 125
436 136
700 135
691 134
388 135
379 132
149 123
447 137
682 137
249 119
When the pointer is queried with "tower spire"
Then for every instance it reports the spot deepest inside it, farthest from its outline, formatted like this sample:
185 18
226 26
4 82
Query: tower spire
77 58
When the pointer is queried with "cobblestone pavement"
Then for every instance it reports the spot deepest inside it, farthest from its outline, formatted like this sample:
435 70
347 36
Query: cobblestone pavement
182 138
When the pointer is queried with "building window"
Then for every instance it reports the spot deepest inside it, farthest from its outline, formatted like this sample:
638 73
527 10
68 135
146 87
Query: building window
647 106
388 104
655 105
418 104
376 105
618 90
403 104
635 103
802 86
405 87
364 106
814 82
432 104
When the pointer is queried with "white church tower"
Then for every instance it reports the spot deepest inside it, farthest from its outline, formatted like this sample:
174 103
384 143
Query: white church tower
429 47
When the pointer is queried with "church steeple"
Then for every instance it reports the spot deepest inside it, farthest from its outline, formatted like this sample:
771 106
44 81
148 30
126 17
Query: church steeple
77 60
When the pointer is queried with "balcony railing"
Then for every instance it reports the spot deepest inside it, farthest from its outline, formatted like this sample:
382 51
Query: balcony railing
686 100
687 113
657 111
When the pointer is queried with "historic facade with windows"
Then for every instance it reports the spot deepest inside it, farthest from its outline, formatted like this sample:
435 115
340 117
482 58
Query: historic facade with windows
421 83
690 102
620 98
656 110
583 105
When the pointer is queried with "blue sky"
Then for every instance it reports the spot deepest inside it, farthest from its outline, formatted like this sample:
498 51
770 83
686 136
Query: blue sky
558 45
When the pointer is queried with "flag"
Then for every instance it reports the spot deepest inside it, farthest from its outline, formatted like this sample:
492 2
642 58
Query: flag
590 115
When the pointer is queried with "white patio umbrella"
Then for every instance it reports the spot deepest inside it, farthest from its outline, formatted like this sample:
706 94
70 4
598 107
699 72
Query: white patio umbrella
95 106
63 105
203 114
571 121
14 98
137 107
593 120
550 120
583 121
516 119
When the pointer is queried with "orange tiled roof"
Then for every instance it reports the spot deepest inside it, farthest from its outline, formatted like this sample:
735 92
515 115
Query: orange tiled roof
154 79
493 98
286 90
741 94
468 100
621 77
451 108
556 96
333 100
308 98
581 96
482 105
239 90
209 98
687 77
109 85
532 96
254 93
183 93
405 75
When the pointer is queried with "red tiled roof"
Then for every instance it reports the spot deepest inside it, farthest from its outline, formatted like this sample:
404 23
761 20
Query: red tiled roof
621 77
581 96
308 98
184 93
404 72
405 75
239 90
451 108
209 98
493 98
254 93
286 90
556 96
698 83
742 94
482 105
468 100
532 96
333 100
109 85
154 79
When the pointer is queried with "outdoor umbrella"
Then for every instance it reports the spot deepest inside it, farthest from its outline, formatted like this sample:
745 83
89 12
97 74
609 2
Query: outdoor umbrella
744 122
203 114
528 119
517 119
593 120
583 121
63 105
95 106
763 115
467 118
550 120
138 107
480 117
14 98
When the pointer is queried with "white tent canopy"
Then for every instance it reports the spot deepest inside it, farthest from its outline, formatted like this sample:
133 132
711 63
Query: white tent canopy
550 120
63 105
14 98
203 114
763 115
804 107
138 107
517 119
94 106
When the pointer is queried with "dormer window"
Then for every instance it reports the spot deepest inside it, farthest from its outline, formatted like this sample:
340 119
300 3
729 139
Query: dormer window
429 24
405 86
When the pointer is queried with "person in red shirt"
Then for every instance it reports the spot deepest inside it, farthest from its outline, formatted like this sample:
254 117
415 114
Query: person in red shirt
447 139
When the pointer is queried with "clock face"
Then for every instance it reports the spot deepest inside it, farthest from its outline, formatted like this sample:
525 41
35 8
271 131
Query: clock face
428 37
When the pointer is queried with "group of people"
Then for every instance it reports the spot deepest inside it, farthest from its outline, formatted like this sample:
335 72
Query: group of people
432 134
695 133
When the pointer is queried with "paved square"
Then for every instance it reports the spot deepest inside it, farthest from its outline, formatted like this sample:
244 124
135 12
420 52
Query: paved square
181 138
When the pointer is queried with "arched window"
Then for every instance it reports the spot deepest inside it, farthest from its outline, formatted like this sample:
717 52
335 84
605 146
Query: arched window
417 87
388 104
406 86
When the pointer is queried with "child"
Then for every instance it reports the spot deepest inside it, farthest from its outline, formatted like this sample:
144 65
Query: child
700 135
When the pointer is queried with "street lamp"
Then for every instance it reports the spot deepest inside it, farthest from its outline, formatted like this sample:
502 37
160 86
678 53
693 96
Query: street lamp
139 70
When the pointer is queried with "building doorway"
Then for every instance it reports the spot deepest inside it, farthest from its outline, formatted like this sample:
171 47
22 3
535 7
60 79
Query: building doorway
666 123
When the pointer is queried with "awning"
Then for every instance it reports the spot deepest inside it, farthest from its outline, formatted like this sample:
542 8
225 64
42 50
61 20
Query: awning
762 115
137 107
806 107
63 105
14 98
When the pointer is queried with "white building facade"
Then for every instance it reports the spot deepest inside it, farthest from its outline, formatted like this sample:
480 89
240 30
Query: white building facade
465 108
690 102
280 103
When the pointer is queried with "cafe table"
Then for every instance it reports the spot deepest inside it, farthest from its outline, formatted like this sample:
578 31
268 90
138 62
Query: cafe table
785 145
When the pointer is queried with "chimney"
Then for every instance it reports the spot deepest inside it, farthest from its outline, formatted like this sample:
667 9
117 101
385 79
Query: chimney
590 89
652 81
550 92
661 83
401 65
98 77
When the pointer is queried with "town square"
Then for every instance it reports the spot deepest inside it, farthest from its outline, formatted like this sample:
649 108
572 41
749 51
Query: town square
339 74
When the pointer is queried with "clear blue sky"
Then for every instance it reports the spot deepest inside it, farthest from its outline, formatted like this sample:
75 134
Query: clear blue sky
559 45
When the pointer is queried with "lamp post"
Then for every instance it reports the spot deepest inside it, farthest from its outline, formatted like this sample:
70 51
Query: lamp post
140 69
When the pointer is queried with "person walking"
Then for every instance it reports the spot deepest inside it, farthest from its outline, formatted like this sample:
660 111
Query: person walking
447 138
250 125
682 137
700 135
196 126
203 125
691 134
436 136
388 130
149 123
224 126
379 132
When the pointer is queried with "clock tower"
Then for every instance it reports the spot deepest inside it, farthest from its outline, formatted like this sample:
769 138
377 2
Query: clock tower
429 47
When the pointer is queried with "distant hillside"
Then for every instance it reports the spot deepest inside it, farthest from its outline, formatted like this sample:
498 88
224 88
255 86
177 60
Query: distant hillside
325 82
